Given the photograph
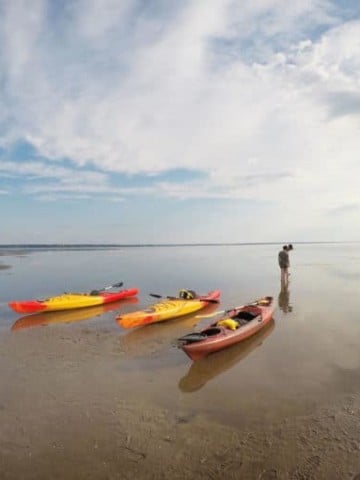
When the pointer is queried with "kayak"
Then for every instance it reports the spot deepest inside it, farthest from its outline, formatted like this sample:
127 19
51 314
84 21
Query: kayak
209 367
69 301
171 307
43 319
235 326
164 332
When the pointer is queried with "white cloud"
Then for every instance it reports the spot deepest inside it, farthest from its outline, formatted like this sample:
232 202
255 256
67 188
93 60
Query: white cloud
95 19
136 91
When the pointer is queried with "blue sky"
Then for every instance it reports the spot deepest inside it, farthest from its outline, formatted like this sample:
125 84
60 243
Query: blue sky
168 122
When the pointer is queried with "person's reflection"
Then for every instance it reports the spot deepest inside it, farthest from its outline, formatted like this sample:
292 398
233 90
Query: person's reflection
284 299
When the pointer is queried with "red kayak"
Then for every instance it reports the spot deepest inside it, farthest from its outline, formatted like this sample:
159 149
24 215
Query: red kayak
236 325
209 367
69 301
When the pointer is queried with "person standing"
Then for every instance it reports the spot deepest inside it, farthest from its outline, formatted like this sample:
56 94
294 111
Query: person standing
283 258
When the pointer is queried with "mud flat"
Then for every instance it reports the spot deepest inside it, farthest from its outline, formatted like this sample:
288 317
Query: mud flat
4 267
73 407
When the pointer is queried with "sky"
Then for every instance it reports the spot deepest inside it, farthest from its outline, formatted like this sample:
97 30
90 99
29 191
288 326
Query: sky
194 121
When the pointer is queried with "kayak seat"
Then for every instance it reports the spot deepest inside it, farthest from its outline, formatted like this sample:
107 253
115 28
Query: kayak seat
243 314
191 338
94 292
211 331
243 317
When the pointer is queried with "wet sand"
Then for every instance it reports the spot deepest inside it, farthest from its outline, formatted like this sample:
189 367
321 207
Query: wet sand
81 398
74 406
4 267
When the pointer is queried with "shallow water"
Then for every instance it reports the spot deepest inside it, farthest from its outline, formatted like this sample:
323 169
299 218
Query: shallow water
307 355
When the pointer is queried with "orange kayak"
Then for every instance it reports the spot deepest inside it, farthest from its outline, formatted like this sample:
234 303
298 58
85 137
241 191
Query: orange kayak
171 307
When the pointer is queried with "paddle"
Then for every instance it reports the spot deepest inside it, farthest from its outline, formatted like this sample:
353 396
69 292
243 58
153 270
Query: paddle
156 295
116 285
256 302
210 315
209 300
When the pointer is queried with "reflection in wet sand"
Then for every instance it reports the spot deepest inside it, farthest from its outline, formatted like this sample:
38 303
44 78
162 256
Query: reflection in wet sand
205 369
163 330
69 316
284 300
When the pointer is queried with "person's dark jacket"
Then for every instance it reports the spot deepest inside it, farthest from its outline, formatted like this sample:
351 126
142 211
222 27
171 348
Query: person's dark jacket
283 259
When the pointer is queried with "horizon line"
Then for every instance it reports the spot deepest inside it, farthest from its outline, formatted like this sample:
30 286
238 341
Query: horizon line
190 244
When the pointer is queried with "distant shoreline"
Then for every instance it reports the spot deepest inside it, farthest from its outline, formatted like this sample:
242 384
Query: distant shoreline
63 246
27 249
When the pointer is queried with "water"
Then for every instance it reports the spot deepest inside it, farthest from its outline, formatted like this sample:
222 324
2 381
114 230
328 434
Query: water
308 354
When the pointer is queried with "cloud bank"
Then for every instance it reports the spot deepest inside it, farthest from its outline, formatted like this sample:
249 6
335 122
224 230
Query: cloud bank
261 96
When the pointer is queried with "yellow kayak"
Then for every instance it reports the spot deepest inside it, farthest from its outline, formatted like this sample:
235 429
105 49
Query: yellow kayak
69 301
170 308
69 316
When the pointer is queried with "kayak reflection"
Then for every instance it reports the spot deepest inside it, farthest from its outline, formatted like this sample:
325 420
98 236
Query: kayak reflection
69 316
207 368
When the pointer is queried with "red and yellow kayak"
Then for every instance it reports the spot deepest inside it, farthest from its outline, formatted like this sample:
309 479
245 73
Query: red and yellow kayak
167 309
43 319
235 326
69 301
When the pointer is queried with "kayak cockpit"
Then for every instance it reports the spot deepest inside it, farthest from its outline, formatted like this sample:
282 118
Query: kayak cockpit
198 336
244 316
